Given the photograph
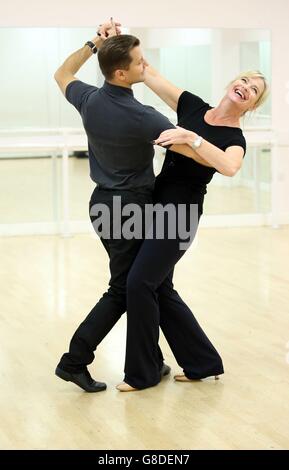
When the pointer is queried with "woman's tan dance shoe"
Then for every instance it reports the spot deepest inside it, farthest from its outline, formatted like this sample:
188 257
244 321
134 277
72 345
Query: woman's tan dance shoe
183 378
124 387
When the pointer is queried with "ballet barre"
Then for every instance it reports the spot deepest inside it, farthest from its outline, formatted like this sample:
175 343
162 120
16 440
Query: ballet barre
44 142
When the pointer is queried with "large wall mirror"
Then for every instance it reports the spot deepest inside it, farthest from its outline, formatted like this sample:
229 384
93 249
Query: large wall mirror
202 61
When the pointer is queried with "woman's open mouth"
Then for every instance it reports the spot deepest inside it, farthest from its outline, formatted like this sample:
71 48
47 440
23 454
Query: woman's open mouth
240 93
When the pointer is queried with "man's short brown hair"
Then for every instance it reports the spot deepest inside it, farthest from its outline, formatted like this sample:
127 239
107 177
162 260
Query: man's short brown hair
114 54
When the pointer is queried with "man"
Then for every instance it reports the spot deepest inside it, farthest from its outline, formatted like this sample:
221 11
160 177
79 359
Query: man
120 133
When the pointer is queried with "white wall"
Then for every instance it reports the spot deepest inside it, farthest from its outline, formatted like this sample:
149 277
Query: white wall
151 13
269 14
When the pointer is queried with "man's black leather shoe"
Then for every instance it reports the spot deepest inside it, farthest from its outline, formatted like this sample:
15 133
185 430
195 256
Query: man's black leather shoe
165 370
83 380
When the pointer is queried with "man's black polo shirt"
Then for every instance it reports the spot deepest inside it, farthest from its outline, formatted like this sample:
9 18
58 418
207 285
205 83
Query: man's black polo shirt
120 131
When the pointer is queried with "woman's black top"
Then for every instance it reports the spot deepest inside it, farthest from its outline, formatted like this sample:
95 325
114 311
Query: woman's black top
182 179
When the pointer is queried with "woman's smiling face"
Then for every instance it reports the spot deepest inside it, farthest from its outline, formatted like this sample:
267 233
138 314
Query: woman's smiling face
246 92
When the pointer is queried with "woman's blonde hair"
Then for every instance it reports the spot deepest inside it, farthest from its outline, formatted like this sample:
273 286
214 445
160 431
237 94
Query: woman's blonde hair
255 74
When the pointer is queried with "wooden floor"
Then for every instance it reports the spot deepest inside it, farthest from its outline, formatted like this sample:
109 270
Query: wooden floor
237 283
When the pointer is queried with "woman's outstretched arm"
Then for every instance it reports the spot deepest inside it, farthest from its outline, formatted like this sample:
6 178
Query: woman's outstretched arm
166 90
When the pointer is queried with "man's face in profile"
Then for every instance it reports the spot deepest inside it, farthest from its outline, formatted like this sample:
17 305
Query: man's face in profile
135 73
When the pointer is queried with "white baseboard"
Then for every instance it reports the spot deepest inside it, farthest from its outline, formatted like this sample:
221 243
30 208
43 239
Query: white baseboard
31 228
243 220
45 228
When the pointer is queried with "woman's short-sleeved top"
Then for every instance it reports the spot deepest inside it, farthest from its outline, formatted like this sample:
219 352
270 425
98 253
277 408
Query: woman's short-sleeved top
191 111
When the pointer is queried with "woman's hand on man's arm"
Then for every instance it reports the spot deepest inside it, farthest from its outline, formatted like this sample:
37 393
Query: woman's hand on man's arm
175 136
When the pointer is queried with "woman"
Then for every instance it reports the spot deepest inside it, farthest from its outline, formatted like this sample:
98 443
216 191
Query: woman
213 141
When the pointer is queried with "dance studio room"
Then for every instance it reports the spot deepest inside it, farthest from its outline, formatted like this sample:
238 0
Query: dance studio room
135 339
